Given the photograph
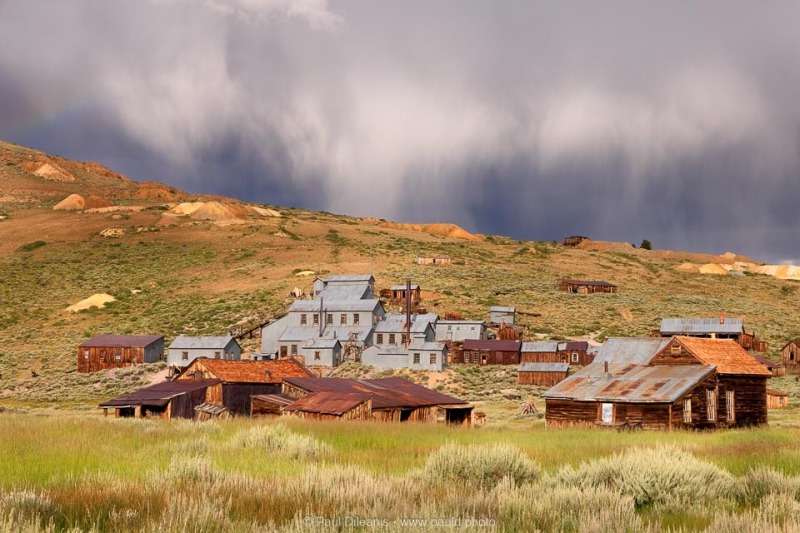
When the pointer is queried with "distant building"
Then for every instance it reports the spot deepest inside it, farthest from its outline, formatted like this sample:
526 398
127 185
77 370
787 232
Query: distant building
542 374
790 355
399 296
460 330
570 352
432 260
488 352
502 315
578 286
185 349
118 351
712 328
575 240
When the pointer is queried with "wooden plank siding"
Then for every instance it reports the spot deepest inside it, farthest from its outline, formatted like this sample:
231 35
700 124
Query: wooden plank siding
541 379
790 355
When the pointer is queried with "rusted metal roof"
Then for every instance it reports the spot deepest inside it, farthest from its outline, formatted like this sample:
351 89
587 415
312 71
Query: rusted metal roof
701 326
540 347
587 283
631 383
278 399
329 403
571 346
385 392
159 394
636 350
725 354
248 371
212 409
773 392
121 341
543 367
766 362
495 345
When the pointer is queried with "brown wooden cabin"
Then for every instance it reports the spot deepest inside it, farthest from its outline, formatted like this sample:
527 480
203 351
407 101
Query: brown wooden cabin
790 356
332 406
724 386
711 328
397 294
268 405
570 352
392 400
488 352
776 399
775 368
542 374
578 286
119 351
574 240
169 399
239 380
435 260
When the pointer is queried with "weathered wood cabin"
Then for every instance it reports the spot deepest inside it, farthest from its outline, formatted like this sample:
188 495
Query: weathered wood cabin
488 352
690 382
119 351
571 352
776 399
170 399
574 240
711 328
542 374
332 406
432 260
775 368
578 286
399 293
237 381
392 400
790 355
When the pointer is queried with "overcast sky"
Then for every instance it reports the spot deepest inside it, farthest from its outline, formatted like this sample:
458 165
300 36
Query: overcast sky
678 122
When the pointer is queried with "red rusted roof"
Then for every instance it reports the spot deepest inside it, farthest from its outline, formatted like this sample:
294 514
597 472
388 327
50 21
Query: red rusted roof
278 399
159 394
329 403
495 345
121 341
385 392
249 371
725 354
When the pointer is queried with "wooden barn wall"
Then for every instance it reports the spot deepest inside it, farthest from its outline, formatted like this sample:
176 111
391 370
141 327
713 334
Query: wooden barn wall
265 408
236 396
543 357
776 402
101 358
788 363
362 411
750 396
569 412
542 379
493 357
293 392
666 357
183 406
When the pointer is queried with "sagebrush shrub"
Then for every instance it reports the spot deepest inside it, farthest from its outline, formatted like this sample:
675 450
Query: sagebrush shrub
481 466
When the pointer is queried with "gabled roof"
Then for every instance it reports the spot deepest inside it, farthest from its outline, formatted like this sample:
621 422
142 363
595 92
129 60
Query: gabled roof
633 350
206 342
328 403
396 323
248 371
701 326
385 392
414 287
573 346
543 367
121 341
540 347
334 306
628 383
496 345
419 344
725 354
278 399
348 278
159 394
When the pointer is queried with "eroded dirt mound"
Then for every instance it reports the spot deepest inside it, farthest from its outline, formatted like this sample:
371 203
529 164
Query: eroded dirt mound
605 246
96 300
714 268
214 211
150 190
185 208
48 170
76 201
445 230
688 267
780 271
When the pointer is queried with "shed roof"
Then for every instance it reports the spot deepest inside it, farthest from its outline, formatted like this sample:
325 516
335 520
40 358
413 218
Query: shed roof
496 345
540 347
121 341
725 354
346 291
502 309
634 350
206 342
334 306
278 399
328 403
159 394
571 346
420 344
588 283
766 362
630 383
414 287
773 392
543 367
396 323
249 371
386 392
701 326
349 278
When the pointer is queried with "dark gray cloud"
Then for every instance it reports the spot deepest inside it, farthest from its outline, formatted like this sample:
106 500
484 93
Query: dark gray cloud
675 123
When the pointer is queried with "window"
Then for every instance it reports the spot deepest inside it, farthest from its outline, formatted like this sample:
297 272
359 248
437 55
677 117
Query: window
303 319
294 349
316 356
391 338
711 400
449 328
329 318
433 358
316 319
466 357
675 349
474 357
730 405
343 319
117 354
687 411
86 354
403 338
574 357
380 338
217 355
416 358
355 319
607 413
472 328
185 356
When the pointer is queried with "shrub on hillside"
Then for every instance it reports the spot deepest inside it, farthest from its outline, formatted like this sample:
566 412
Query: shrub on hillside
279 439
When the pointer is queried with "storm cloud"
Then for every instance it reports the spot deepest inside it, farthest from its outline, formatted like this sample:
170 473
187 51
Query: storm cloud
675 122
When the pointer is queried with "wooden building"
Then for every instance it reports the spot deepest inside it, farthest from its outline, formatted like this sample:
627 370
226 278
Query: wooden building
237 381
790 355
170 399
119 351
432 260
542 374
775 368
578 286
502 315
776 399
574 240
488 352
185 349
399 293
712 328
269 405
391 400
690 382
571 352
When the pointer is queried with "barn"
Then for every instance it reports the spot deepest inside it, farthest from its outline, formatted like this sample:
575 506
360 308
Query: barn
170 399
790 355
489 352
542 374
712 328
119 351
332 406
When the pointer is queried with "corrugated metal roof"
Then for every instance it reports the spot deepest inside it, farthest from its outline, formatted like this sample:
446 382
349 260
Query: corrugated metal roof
629 383
495 345
700 326
573 345
725 354
278 399
459 322
346 292
502 309
206 342
121 341
396 323
159 394
634 350
419 344
334 306
540 347
773 392
348 278
328 403
386 392
248 371
543 367
322 344
414 287
588 283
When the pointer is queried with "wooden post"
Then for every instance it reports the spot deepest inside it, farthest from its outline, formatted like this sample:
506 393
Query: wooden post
670 417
